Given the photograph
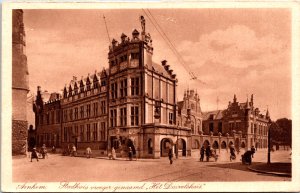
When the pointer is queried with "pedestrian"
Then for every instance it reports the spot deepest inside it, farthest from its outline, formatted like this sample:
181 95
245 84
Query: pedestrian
232 153
170 154
53 149
130 154
113 153
202 151
34 154
44 151
88 152
253 150
73 151
207 152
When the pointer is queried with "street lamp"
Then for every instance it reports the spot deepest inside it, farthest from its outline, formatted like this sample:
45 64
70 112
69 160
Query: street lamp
269 142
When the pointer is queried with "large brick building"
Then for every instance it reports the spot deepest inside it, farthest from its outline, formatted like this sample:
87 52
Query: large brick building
133 104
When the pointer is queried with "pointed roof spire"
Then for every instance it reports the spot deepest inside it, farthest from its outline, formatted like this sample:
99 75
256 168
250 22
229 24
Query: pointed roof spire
234 98
247 104
267 113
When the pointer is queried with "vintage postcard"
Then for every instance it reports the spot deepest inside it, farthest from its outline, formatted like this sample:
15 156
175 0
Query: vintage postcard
157 96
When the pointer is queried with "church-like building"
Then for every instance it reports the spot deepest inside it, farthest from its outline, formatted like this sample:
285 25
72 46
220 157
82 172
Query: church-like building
133 104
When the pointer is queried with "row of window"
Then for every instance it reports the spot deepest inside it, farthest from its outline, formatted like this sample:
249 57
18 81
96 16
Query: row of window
134 116
135 88
49 118
124 58
84 111
85 133
259 129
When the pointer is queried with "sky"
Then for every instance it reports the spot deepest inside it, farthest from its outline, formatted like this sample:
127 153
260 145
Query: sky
230 51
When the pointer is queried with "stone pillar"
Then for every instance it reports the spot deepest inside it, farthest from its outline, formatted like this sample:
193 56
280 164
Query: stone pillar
20 86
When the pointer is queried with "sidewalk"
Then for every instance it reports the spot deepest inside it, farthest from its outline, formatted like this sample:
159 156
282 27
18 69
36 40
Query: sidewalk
277 168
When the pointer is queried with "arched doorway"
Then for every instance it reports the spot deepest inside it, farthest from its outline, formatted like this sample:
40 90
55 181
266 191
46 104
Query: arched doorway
223 145
150 146
206 143
165 145
181 147
129 143
215 145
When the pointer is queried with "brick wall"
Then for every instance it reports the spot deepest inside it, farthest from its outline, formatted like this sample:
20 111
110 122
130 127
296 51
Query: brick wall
19 137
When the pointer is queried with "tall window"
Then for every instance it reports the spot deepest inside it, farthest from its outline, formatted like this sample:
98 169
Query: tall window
123 88
88 110
171 118
52 117
57 116
123 116
95 132
103 129
135 86
220 127
82 112
81 132
113 117
88 132
95 107
65 115
76 131
71 114
114 90
134 116
76 113
211 127
103 107
65 133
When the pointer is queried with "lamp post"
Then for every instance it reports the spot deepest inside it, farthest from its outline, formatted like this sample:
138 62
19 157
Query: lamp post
269 143
177 141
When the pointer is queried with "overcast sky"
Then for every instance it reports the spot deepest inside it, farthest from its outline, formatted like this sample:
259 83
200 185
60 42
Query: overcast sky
234 51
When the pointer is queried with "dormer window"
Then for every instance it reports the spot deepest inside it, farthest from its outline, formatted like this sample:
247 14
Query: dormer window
211 117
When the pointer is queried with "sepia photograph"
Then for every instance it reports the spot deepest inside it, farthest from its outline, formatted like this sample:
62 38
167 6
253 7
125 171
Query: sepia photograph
150 98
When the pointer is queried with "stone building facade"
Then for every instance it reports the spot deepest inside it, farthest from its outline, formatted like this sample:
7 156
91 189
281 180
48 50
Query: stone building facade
84 113
133 104
241 123
20 85
48 119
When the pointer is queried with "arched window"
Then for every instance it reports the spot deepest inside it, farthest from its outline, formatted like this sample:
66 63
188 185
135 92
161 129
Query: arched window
193 127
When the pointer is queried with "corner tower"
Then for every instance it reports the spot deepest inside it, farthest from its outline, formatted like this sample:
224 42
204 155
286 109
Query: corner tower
141 94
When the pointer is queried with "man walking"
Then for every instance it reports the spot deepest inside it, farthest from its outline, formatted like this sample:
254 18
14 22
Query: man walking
170 154
202 151
207 152
34 154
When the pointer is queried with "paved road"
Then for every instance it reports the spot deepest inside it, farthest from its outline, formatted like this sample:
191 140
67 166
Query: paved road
63 168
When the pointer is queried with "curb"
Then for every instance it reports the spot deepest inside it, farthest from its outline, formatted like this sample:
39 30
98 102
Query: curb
273 173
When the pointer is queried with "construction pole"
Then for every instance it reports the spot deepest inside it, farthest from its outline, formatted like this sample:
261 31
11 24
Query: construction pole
269 143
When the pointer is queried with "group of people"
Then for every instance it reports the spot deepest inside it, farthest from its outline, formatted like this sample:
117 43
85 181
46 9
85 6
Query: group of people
35 154
208 152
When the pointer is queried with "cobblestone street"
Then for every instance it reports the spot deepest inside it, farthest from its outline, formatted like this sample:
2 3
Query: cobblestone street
63 168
